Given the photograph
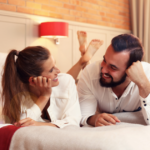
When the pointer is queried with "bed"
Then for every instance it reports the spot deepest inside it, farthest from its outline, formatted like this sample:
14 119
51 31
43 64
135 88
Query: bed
131 134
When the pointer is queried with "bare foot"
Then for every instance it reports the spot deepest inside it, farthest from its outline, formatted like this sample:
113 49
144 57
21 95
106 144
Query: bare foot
82 37
92 48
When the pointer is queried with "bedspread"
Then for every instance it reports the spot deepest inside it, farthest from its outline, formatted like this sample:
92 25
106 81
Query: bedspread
133 135
123 136
6 134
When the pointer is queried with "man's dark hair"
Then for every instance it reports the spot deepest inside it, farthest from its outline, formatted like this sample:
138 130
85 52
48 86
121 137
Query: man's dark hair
128 42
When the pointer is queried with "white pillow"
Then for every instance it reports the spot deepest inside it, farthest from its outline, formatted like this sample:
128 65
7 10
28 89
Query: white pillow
2 62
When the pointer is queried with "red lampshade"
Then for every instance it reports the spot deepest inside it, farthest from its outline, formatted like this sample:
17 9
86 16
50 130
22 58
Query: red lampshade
53 29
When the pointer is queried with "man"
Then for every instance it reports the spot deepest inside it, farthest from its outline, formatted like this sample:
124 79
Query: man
119 83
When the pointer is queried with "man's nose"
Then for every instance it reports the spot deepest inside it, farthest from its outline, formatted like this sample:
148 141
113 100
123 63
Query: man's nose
104 69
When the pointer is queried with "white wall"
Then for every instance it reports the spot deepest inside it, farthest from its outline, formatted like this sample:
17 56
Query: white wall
20 30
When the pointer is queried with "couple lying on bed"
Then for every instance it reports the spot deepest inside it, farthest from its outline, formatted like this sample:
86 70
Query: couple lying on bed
36 93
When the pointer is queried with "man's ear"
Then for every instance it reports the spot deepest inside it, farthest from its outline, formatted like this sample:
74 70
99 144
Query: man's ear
143 55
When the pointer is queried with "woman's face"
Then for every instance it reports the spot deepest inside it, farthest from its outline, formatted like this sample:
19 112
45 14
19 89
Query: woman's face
51 71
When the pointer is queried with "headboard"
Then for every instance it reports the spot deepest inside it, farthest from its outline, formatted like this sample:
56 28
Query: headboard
19 30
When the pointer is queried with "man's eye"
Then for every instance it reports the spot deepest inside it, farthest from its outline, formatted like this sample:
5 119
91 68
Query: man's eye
113 68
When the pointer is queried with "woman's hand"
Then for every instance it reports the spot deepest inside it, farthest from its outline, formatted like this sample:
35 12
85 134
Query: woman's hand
31 122
43 85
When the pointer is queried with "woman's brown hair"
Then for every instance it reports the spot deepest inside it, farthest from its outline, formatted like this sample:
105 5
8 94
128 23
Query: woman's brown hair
16 75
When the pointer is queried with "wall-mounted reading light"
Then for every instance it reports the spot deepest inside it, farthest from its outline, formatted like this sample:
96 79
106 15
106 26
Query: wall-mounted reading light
54 30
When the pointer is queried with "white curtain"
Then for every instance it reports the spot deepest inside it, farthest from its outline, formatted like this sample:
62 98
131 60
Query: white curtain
140 20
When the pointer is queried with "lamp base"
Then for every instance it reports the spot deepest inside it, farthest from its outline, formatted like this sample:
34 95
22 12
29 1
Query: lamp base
56 41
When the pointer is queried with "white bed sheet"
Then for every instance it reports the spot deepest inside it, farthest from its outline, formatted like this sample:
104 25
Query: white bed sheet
122 136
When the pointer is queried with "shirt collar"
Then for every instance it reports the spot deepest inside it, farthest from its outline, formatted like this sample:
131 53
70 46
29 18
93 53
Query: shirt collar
128 90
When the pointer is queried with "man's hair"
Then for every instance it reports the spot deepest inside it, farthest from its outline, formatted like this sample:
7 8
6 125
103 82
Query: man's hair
128 42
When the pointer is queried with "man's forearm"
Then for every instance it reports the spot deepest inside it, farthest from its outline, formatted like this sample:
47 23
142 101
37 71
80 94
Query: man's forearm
91 120
144 89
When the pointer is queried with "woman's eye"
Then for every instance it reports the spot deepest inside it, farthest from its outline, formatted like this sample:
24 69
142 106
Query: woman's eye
51 70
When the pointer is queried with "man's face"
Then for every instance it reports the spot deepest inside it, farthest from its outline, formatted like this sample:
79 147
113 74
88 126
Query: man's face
113 67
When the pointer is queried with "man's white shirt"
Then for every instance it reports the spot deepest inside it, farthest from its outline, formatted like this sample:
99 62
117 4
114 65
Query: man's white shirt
92 94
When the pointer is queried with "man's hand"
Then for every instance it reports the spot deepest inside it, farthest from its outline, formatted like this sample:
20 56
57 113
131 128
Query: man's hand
31 122
136 74
105 119
102 119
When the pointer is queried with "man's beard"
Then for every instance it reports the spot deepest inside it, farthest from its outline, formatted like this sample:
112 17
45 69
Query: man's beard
112 83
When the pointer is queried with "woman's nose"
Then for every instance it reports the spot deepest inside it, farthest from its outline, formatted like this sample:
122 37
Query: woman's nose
57 70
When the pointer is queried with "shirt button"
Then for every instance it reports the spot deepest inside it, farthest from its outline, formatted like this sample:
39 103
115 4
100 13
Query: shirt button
143 101
144 104
147 119
116 98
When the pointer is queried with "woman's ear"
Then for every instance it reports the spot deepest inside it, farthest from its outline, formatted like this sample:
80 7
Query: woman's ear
31 82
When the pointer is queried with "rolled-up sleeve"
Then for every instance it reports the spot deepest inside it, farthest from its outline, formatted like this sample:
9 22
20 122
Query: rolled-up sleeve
145 104
88 102
30 110
72 113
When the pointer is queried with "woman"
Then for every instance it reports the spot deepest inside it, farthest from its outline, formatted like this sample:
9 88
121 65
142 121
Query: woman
27 89
36 93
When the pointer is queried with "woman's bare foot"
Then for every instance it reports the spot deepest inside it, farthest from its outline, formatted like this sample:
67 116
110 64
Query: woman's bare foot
92 48
82 38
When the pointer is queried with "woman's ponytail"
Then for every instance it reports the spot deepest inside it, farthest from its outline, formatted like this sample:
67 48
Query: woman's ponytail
28 63
11 86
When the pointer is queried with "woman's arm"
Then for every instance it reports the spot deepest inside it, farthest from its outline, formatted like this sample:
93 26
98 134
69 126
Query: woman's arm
33 104
31 122
70 110
42 86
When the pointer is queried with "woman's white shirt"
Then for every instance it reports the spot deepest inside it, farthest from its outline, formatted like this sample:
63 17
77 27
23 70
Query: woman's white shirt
64 106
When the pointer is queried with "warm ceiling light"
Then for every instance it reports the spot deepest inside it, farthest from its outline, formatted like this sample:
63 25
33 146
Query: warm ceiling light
54 30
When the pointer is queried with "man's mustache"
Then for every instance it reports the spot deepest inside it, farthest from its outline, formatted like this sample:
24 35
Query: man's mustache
105 74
